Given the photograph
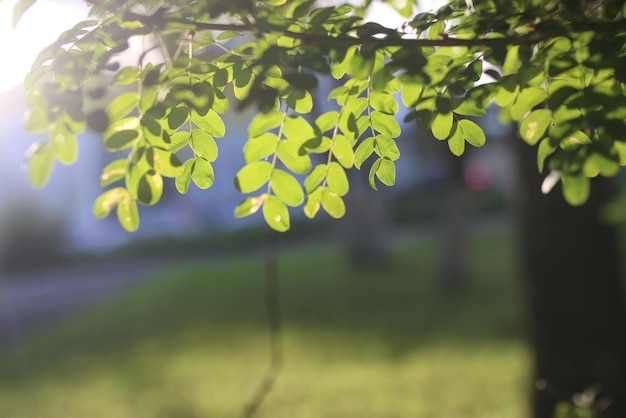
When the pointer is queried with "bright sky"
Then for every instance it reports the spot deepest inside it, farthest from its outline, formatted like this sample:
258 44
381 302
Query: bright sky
38 28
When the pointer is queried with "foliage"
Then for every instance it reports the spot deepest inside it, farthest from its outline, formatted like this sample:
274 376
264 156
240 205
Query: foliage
557 68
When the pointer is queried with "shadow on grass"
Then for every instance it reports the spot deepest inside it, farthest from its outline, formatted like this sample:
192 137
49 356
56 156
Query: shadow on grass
399 307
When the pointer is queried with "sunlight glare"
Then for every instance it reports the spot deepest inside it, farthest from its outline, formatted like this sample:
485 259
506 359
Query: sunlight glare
39 27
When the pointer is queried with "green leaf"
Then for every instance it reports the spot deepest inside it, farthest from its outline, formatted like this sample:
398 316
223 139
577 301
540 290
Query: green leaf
65 145
301 101
526 100
385 124
252 176
384 102
202 173
315 177
411 94
337 179
363 151
293 156
333 203
472 132
297 129
507 92
441 126
166 163
127 213
372 174
468 107
286 188
349 115
260 147
456 143
40 164
107 201
263 122
211 123
122 134
534 126
276 214
149 188
386 147
122 105
114 171
19 9
575 189
327 121
342 150
177 117
313 202
184 178
203 145
544 150
386 172
250 205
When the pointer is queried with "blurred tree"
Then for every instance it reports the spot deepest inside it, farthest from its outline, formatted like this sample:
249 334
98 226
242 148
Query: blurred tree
557 69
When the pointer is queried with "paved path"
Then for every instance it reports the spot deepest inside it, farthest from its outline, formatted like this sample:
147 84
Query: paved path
32 300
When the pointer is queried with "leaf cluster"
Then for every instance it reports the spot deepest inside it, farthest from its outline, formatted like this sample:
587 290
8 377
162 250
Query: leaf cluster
554 68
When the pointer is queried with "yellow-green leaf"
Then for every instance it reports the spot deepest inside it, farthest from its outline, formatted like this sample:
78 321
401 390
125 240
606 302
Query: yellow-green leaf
276 214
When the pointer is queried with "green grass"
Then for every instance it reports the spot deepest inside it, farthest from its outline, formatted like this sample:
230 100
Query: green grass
383 343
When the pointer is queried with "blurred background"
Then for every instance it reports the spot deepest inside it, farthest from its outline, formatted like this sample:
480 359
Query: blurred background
414 305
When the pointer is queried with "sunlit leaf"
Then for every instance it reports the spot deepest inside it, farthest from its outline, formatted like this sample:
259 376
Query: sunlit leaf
202 173
114 171
276 214
252 176
534 126
40 164
472 132
250 205
203 145
333 203
107 201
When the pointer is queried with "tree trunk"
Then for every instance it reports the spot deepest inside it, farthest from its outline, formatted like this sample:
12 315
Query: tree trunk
577 314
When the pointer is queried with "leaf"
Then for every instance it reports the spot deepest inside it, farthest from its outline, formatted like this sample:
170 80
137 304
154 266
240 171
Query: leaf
333 203
114 171
507 92
386 172
263 122
149 188
250 205
386 147
544 150
313 202
260 147
177 117
292 155
65 145
252 176
534 126
184 178
363 151
342 150
472 132
286 187
315 177
410 94
122 105
297 129
19 9
127 213
468 107
441 126
526 100
107 201
456 142
202 173
385 124
575 189
212 123
276 214
349 115
203 145
327 121
122 134
337 179
166 163
40 164
383 102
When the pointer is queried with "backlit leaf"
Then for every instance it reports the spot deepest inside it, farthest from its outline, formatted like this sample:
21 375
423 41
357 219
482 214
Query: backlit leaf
40 164
276 214
250 205
260 147
203 145
286 188
333 204
202 173
472 132
107 201
337 179
252 176
534 126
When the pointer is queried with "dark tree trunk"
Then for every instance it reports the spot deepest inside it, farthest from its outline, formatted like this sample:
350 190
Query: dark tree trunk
576 300
454 270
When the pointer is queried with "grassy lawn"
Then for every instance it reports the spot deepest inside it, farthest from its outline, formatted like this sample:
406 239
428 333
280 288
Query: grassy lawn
379 343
